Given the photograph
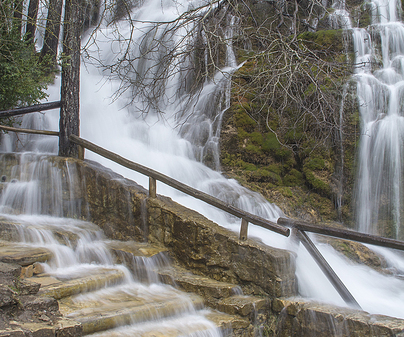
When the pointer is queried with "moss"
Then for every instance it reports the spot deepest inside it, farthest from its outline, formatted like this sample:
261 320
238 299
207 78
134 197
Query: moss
286 192
323 205
330 39
315 163
276 168
293 178
318 184
242 119
365 16
257 138
270 143
232 160
283 153
253 149
264 175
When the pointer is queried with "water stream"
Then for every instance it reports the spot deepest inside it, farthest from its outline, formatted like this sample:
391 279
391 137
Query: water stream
175 143
380 78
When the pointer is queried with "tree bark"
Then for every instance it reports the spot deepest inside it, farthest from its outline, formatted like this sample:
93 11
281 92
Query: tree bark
70 91
31 20
18 8
51 40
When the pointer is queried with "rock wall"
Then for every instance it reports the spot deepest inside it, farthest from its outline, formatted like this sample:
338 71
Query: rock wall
124 211
308 319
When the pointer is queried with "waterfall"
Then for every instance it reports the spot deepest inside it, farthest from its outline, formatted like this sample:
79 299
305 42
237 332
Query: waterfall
379 52
180 132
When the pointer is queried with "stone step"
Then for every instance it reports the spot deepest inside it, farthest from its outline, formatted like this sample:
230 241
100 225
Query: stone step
141 258
186 325
210 289
59 288
231 325
134 248
61 328
64 231
109 308
23 254
245 306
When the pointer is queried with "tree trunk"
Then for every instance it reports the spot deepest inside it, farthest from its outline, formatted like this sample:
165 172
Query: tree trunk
18 8
51 40
70 90
31 20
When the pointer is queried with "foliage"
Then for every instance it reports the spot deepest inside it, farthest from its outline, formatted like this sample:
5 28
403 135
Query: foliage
23 78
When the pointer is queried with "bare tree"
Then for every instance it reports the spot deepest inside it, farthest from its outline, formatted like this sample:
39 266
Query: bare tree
292 74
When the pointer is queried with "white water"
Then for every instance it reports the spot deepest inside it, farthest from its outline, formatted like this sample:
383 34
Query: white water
380 198
168 143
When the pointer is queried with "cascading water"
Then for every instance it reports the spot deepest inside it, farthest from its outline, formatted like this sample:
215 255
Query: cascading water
176 142
380 198
79 249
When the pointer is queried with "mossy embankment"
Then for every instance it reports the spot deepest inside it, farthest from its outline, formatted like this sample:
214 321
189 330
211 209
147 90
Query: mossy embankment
300 159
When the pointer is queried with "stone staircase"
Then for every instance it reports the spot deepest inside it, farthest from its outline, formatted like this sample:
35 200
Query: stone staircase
142 293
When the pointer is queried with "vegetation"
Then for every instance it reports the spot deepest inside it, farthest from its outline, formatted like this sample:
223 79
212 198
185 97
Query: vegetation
287 131
23 76
283 134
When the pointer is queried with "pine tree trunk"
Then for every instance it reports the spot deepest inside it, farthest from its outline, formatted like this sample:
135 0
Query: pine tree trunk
51 40
70 91
18 8
31 20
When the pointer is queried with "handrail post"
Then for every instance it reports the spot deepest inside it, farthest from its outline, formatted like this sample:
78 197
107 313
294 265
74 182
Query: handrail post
152 187
243 229
81 152
327 270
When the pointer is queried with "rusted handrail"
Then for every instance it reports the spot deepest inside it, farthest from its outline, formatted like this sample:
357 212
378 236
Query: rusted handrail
154 175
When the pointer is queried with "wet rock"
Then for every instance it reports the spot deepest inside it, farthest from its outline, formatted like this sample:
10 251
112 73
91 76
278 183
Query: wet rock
357 252
8 230
203 246
24 256
303 318
68 328
124 212
246 306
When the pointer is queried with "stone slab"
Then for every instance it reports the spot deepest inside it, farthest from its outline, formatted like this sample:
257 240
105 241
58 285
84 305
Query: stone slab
135 248
114 314
204 286
304 318
53 287
23 255
244 305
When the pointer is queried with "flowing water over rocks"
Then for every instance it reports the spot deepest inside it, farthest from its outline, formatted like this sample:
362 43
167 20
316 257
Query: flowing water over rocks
380 76
155 142
73 262
100 283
